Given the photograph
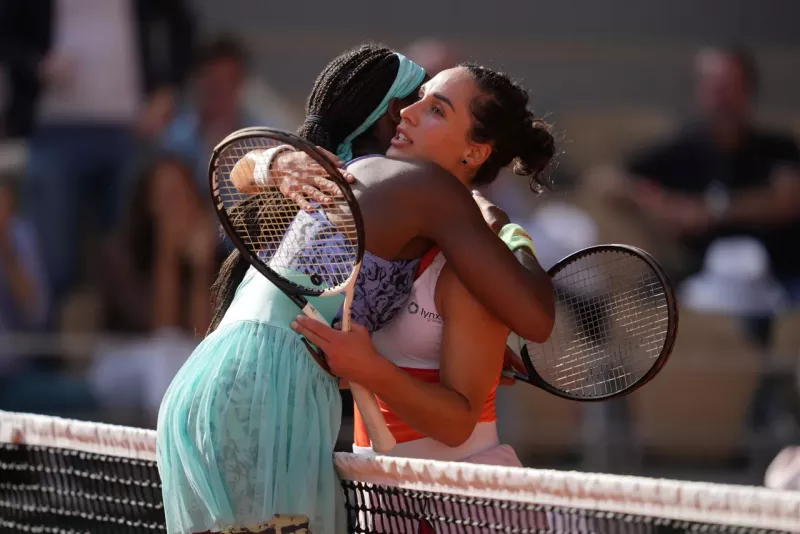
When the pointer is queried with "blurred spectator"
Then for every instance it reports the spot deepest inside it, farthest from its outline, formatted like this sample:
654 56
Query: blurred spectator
93 60
86 76
155 282
433 55
23 295
25 385
215 108
158 267
723 175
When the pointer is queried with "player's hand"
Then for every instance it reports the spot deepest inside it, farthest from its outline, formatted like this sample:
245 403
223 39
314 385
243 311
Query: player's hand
301 179
348 354
494 216
511 362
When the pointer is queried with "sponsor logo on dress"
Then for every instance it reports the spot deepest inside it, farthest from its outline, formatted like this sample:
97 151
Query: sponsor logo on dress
428 315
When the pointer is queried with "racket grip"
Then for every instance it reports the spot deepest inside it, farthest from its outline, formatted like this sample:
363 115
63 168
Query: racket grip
382 439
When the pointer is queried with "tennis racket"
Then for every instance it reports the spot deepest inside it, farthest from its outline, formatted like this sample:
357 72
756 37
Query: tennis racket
616 323
305 253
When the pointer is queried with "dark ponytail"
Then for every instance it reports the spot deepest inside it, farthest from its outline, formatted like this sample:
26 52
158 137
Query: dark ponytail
235 267
231 274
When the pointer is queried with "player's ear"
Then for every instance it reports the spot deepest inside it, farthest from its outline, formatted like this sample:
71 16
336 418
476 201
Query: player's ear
395 106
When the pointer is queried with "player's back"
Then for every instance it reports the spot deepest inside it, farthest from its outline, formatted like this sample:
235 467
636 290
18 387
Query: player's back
393 195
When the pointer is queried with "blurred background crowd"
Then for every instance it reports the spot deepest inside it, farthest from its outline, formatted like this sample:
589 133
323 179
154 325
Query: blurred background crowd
678 125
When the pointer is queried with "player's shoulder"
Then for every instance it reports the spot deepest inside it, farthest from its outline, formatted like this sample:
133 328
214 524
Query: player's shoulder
410 172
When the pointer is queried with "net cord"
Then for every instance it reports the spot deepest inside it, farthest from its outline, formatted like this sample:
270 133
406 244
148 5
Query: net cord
742 506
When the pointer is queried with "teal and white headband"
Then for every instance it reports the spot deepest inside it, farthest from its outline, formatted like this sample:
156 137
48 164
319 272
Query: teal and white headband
409 77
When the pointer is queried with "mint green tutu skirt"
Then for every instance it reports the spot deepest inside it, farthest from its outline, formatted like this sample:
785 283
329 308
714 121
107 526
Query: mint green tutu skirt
247 428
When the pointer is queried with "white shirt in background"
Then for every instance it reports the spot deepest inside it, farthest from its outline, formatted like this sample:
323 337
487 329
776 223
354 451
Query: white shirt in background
99 37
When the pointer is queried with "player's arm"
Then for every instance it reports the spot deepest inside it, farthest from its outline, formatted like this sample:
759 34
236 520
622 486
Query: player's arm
294 172
521 296
472 358
499 222
492 214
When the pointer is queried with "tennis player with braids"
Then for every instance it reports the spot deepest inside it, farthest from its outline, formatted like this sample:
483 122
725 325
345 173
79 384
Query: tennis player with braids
436 365
247 428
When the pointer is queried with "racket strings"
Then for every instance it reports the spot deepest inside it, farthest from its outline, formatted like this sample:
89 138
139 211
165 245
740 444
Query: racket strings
589 355
611 325
316 250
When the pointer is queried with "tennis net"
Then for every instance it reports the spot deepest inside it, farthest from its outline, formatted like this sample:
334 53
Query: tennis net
69 477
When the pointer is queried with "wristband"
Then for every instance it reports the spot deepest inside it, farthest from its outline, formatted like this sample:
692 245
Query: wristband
516 237
261 172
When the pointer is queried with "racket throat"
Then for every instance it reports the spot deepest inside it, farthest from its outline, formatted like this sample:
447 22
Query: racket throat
526 361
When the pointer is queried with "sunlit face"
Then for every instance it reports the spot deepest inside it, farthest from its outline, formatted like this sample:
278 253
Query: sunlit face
436 128
384 128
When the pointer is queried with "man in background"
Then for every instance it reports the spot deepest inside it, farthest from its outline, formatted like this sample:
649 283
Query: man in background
723 174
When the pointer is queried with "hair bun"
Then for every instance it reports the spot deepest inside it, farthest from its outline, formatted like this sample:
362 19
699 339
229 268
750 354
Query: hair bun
501 117
537 148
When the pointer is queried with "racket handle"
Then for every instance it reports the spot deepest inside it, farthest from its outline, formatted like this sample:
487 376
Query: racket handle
382 439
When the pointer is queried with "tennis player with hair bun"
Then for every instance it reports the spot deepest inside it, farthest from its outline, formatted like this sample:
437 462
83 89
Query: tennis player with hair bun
436 365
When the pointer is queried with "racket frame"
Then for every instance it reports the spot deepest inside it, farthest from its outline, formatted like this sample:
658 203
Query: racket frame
294 291
535 379
382 439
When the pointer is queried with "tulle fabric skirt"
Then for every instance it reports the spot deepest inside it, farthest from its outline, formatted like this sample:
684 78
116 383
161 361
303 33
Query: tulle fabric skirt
246 431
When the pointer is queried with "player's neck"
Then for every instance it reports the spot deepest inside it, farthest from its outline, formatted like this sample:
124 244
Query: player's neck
367 147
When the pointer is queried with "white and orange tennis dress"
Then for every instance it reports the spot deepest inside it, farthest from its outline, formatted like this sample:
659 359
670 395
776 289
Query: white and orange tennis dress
412 340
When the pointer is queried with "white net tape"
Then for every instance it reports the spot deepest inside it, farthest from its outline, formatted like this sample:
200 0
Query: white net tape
739 506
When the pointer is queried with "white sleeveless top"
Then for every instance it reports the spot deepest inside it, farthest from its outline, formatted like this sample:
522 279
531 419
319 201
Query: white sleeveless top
413 340
414 337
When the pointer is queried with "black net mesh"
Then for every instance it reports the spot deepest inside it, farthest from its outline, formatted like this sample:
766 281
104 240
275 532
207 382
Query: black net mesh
66 477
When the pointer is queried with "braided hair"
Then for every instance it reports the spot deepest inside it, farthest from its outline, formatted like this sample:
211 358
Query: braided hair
344 95
346 92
